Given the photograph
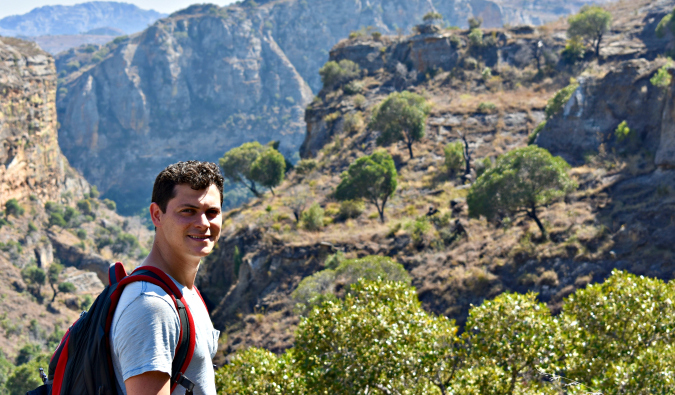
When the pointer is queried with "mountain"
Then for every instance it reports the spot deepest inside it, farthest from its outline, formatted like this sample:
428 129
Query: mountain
50 212
495 96
208 78
79 18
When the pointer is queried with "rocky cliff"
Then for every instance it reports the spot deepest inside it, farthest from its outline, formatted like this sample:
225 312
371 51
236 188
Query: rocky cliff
50 212
207 79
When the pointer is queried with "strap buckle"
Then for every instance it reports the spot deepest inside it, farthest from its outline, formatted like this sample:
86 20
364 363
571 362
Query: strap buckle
185 383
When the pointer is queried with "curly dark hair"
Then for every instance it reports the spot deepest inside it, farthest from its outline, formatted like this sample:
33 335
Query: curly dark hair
199 175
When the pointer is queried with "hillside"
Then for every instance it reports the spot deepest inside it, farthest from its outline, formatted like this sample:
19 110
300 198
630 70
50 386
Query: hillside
493 94
78 19
49 211
229 75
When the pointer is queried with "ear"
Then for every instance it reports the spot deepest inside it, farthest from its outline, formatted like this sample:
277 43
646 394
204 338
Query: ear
155 214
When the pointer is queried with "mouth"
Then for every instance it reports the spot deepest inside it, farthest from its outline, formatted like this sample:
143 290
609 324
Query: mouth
199 237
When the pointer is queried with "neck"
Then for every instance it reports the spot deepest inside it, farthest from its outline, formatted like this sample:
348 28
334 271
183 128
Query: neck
182 269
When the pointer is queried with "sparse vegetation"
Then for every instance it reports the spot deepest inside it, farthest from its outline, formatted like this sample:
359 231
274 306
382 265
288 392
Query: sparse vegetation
13 207
312 218
591 23
334 73
558 101
666 24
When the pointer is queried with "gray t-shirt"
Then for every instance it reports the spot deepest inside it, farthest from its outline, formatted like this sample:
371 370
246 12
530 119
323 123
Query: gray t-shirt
145 331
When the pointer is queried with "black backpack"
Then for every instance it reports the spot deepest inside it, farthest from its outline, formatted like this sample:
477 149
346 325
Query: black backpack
82 363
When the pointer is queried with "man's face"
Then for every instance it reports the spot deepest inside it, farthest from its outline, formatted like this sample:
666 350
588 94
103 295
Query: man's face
192 222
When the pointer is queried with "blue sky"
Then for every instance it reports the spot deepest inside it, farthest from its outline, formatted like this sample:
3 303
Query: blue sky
14 7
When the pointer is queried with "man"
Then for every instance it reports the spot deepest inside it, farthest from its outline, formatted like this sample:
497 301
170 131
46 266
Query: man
185 210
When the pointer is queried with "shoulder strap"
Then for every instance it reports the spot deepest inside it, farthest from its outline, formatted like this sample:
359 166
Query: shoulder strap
116 273
186 341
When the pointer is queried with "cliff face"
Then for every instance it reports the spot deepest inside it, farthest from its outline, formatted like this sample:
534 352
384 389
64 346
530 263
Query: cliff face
31 162
207 79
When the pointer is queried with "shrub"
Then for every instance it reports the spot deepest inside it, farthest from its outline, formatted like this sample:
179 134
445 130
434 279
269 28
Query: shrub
56 218
73 65
353 87
110 204
475 23
483 165
533 136
81 234
476 38
419 229
592 22
305 166
359 101
666 22
25 377
574 50
12 207
124 243
432 16
455 41
662 77
85 207
558 101
470 63
332 117
377 36
312 218
486 73
351 209
94 193
353 122
454 156
258 371
333 73
486 107
623 132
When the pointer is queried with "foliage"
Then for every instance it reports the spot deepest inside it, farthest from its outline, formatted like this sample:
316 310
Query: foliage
312 218
110 204
401 116
432 16
533 136
53 274
475 23
521 181
454 156
486 107
351 209
486 73
297 199
623 132
353 122
305 166
515 335
418 230
85 207
12 207
666 22
476 37
558 101
257 371
353 87
615 328
34 277
574 50
253 163
124 243
662 77
483 165
378 337
591 23
371 177
325 285
269 168
334 73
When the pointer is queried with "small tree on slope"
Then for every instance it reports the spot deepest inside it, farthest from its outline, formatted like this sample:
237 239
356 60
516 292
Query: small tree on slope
401 116
371 177
521 181
591 23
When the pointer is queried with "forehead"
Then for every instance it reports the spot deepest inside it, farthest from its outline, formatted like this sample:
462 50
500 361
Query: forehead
184 194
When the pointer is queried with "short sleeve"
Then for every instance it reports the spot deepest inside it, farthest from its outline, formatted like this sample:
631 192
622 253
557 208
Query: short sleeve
145 336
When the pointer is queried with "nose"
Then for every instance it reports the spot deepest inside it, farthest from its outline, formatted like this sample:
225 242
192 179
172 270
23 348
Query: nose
202 221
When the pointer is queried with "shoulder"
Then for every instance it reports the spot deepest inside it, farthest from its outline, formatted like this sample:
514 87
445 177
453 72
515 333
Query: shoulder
144 300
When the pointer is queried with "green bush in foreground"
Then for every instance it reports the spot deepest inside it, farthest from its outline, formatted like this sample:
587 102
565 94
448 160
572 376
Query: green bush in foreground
612 338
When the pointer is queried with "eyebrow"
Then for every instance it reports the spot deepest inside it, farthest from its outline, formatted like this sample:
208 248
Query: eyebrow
188 205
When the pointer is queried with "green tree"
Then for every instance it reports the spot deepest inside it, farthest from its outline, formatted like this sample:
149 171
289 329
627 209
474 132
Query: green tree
53 274
27 376
432 16
377 340
616 328
257 371
312 219
401 116
522 181
269 168
35 278
237 163
591 23
371 177
512 336
12 207
454 156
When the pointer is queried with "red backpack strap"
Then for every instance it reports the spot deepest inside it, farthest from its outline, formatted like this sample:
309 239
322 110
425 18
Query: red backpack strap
187 339
116 273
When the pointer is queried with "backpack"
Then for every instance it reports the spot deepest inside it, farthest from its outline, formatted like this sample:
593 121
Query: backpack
82 362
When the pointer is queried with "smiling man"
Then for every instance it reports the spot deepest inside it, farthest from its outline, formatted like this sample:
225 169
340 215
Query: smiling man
185 209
